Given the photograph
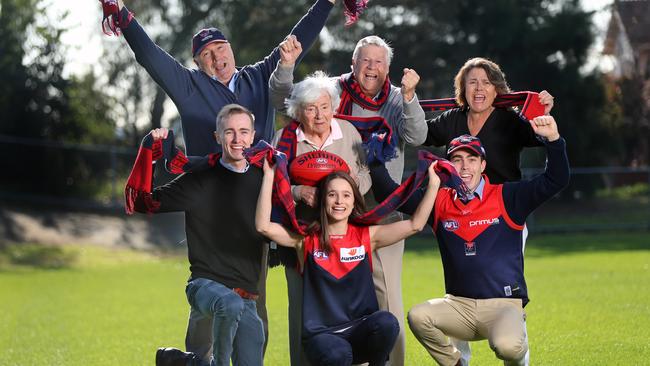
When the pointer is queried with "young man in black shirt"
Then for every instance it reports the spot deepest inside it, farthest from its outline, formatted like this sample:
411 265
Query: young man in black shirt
224 249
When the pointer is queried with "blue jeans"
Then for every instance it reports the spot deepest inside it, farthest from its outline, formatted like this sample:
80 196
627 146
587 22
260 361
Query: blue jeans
370 340
237 330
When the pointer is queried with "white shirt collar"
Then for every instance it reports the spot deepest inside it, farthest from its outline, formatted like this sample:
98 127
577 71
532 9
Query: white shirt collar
231 83
232 167
335 134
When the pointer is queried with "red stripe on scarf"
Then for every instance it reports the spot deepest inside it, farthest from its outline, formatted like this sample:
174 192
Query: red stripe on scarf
528 101
284 207
351 93
137 193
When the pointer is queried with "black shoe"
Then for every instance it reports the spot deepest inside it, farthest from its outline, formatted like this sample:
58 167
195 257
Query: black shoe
175 357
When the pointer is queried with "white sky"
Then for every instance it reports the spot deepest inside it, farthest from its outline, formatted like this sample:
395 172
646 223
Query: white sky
83 37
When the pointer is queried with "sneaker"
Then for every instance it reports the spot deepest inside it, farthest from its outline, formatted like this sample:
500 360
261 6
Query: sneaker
175 357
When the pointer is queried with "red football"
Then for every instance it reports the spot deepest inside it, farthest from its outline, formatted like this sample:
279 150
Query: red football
309 168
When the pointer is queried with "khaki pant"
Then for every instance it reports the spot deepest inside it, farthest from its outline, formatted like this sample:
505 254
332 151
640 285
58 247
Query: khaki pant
297 356
387 276
500 320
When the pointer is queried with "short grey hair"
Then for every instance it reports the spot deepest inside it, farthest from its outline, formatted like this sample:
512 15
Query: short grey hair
310 89
373 40
229 110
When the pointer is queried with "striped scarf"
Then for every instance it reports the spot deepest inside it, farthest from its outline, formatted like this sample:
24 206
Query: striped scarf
351 93
378 139
352 9
113 21
282 187
528 101
137 193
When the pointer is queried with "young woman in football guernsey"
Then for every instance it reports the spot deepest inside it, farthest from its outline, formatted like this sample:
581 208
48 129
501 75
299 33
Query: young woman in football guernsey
342 323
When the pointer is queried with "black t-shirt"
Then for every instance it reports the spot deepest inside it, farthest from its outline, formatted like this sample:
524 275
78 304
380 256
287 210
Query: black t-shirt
219 204
504 135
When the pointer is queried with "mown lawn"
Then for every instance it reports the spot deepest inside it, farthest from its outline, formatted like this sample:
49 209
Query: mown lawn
590 304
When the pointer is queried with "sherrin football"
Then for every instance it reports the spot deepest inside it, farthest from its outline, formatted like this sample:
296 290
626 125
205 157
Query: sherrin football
309 168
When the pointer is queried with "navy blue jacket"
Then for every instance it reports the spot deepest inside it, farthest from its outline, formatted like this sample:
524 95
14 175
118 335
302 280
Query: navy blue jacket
199 98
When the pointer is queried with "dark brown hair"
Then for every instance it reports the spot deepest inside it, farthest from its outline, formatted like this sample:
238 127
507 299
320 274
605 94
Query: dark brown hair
494 74
358 209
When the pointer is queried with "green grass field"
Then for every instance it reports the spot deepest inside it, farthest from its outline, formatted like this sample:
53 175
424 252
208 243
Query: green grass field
590 304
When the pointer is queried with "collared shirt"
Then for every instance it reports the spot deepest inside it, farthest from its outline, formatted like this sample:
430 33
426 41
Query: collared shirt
335 134
231 83
232 168
478 192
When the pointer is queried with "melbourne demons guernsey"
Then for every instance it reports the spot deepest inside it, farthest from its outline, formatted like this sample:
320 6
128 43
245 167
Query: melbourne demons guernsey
337 286
480 245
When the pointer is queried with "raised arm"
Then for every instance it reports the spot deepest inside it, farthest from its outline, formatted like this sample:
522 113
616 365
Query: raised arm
383 235
169 74
306 31
281 81
522 198
411 125
181 194
263 224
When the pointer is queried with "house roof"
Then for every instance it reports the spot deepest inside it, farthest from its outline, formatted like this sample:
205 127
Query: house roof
635 18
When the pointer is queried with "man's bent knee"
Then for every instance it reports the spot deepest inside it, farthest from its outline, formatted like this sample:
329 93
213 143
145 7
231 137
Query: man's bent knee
508 348
229 306
419 319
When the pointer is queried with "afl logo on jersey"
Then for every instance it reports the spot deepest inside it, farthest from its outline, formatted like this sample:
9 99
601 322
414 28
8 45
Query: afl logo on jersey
319 255
353 254
450 225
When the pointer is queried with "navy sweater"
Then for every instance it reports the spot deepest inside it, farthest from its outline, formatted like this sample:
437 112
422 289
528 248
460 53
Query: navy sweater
481 241
199 98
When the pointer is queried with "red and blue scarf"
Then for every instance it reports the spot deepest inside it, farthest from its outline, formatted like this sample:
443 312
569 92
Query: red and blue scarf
352 9
113 21
351 93
378 139
137 193
529 104
282 186
138 196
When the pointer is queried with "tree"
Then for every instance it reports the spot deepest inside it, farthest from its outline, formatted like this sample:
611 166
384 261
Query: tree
39 105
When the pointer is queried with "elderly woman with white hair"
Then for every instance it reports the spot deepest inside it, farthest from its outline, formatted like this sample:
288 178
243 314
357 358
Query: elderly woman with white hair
311 104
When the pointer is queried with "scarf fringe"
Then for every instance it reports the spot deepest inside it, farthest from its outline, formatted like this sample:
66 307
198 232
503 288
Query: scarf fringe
113 21
353 9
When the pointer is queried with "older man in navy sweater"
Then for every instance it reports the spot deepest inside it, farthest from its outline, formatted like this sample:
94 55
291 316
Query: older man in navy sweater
199 95
481 246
